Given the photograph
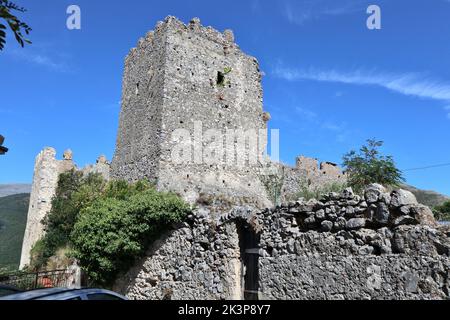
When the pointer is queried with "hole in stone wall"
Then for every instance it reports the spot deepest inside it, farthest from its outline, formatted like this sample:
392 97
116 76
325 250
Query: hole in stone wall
220 79
137 88
249 250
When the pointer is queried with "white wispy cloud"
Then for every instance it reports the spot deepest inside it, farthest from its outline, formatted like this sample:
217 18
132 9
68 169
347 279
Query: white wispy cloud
409 84
339 130
40 59
306 113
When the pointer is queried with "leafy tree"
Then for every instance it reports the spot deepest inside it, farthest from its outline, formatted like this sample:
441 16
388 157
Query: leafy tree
442 212
112 232
17 27
370 166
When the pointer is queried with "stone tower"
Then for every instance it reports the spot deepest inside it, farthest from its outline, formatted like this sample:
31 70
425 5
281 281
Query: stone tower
194 79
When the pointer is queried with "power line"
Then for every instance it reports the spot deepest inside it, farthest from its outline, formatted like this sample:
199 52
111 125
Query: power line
429 167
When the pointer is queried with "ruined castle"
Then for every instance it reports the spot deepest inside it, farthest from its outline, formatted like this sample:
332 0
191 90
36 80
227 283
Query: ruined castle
249 236
45 179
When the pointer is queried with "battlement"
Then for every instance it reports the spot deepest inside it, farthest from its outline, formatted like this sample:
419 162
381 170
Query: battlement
312 166
193 29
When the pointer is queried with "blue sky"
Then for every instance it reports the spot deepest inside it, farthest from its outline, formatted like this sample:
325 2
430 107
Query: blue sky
330 83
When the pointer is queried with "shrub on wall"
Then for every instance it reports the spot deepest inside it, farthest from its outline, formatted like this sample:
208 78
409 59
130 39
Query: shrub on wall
112 232
73 192
105 225
442 212
307 192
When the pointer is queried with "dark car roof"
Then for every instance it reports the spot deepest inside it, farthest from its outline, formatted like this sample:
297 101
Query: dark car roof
38 293
58 293
5 286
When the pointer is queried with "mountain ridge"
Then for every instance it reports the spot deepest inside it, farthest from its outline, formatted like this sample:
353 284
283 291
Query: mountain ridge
10 189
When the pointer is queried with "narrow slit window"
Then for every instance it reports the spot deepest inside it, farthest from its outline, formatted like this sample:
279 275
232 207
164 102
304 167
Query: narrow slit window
220 79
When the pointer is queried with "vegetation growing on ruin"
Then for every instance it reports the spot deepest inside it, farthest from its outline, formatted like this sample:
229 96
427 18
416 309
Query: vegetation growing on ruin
112 232
273 184
73 192
442 212
104 225
307 192
370 166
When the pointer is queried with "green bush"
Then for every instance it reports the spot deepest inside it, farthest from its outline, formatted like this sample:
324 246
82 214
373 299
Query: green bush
307 192
112 232
442 212
105 225
74 192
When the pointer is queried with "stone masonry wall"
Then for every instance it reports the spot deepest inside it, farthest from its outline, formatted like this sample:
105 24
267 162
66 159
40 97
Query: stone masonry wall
199 260
380 246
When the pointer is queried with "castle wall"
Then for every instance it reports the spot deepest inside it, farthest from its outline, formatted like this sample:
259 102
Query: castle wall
101 167
45 178
306 175
138 139
193 262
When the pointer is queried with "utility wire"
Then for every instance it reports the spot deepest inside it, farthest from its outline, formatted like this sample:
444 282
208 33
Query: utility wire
429 167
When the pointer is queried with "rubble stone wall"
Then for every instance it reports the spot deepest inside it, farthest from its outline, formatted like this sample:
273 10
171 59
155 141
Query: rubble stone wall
380 246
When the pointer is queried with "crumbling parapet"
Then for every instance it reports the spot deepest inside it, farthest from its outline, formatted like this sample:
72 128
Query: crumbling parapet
306 174
331 170
101 166
307 164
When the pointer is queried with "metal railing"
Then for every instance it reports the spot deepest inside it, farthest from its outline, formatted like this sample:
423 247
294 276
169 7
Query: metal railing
36 280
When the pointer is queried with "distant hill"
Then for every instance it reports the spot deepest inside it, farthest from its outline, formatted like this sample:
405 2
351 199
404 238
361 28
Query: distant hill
13 217
427 197
10 189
